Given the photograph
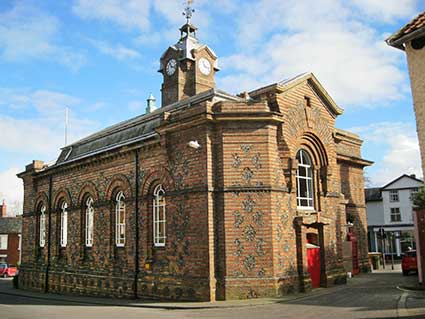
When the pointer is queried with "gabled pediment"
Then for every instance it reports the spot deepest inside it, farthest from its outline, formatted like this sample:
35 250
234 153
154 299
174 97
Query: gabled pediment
294 83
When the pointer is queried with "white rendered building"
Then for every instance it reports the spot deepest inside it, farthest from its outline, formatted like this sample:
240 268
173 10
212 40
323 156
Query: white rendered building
390 215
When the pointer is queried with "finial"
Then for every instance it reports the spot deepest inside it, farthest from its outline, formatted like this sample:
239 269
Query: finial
188 11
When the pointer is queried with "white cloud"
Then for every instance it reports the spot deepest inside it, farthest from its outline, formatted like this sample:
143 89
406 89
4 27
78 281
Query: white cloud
39 136
11 190
26 34
388 10
131 14
43 133
400 153
118 51
279 40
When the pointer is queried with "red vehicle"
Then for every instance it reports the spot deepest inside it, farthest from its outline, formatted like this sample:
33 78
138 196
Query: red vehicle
409 262
8 270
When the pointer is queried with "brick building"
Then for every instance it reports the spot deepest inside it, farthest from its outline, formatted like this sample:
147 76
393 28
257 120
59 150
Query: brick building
10 237
212 196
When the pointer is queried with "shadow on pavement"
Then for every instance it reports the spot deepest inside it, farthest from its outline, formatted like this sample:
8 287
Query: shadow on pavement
366 292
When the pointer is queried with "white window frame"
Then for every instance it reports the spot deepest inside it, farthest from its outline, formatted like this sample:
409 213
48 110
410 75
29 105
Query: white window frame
304 160
89 222
42 230
64 225
395 211
3 241
394 196
120 220
159 216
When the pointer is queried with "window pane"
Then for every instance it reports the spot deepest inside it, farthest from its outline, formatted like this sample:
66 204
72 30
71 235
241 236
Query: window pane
302 171
303 187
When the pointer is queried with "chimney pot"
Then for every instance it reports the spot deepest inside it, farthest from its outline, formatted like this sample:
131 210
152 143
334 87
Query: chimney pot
3 209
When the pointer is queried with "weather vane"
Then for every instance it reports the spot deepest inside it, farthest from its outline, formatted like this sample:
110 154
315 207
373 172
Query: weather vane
188 11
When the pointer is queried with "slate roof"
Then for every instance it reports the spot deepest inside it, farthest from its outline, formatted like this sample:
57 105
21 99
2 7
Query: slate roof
416 24
373 194
10 225
131 131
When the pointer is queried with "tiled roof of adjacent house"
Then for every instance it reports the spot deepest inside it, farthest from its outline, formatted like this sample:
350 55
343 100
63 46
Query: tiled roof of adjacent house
373 194
416 24
9 225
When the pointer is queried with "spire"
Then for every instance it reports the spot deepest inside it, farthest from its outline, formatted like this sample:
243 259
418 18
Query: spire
151 104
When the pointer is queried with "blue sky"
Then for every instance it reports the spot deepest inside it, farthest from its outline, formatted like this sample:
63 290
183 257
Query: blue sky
100 58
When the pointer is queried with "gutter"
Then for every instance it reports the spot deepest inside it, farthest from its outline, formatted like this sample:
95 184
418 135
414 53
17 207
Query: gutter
398 43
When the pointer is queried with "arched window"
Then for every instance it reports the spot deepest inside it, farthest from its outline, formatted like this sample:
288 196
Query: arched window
159 217
305 193
42 226
89 222
64 224
120 220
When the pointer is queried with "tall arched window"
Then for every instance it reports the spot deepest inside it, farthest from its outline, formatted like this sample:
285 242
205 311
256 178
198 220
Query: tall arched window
305 193
64 224
89 222
159 217
42 226
120 220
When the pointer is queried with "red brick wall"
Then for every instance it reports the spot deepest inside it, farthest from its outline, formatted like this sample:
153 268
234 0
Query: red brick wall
12 250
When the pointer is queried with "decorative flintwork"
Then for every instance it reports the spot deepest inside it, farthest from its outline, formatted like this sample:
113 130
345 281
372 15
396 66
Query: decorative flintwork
248 204
239 247
238 219
279 233
250 233
180 222
247 175
280 261
284 218
256 161
237 160
179 169
257 218
249 262
259 247
261 273
246 148
286 247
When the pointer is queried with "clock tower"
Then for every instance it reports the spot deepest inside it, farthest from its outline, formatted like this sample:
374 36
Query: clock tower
188 67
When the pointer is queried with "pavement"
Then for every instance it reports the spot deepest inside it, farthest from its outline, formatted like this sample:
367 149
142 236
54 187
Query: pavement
377 295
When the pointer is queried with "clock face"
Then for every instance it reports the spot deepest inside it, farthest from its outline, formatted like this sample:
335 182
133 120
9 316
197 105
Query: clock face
204 66
171 67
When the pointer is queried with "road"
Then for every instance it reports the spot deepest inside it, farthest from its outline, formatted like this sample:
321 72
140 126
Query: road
367 296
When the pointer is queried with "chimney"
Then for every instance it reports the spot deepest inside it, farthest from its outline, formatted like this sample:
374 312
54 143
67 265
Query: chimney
3 210
413 175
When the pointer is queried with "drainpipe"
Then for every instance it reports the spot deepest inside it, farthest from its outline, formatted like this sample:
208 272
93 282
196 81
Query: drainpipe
46 284
136 208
